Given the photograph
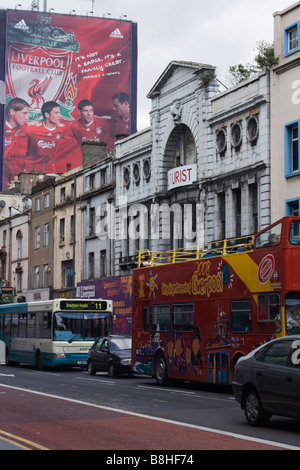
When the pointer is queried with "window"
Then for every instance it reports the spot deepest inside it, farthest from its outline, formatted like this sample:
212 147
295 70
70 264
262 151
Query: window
71 228
92 220
103 176
238 212
236 135
241 316
47 200
62 194
292 313
183 317
45 275
291 39
62 231
103 272
37 204
253 192
271 236
92 181
20 243
268 313
221 140
46 235
291 137
252 129
278 353
37 237
91 265
160 317
294 233
36 277
67 273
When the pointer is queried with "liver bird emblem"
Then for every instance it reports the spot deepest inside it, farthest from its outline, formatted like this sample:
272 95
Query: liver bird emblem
36 91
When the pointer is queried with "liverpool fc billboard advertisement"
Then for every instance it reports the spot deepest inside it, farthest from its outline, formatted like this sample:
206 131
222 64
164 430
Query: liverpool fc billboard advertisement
68 79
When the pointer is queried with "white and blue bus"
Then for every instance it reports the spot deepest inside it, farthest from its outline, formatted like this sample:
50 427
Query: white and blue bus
56 332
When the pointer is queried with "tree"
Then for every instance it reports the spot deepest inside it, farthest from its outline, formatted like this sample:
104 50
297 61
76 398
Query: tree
264 60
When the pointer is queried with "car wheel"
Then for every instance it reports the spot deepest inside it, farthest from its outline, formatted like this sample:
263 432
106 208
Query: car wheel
254 411
111 370
91 369
160 373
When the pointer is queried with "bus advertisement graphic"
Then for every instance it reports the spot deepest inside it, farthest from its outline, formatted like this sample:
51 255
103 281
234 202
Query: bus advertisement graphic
74 79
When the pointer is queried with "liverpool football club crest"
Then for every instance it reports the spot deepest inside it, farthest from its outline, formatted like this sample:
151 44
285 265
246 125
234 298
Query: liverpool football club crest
39 64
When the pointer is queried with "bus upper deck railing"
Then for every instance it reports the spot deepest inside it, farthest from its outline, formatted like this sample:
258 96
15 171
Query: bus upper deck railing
197 252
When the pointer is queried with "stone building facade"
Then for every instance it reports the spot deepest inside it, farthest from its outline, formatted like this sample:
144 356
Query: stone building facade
201 172
285 118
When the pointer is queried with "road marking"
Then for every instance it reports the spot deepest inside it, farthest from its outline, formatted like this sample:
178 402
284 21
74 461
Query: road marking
163 420
6 436
7 375
107 382
185 393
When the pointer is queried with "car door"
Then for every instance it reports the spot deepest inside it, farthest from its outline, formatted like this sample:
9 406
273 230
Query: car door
271 376
96 354
292 381
103 355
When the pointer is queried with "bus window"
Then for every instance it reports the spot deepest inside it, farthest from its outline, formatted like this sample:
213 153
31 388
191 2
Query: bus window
269 237
292 313
145 318
241 318
22 325
160 317
268 313
294 233
31 325
183 317
7 324
14 325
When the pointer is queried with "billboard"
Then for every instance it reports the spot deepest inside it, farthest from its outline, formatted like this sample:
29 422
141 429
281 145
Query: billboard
117 289
68 79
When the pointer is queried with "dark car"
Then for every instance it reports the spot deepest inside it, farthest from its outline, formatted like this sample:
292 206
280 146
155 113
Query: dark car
110 354
267 381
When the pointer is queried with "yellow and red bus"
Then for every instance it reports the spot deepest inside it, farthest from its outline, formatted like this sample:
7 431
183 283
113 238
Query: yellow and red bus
197 311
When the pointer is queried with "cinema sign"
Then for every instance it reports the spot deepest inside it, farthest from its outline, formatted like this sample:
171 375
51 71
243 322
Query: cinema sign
182 176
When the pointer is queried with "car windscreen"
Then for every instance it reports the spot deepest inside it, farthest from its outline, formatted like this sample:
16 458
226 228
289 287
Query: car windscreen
119 344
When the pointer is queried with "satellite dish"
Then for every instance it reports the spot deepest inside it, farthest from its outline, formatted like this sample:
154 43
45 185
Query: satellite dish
2 204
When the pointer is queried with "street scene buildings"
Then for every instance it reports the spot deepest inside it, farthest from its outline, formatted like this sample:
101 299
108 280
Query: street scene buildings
213 164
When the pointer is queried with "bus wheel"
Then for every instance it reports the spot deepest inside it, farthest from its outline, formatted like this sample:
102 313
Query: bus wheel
160 371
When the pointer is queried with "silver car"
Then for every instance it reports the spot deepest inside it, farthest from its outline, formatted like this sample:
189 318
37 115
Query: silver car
267 381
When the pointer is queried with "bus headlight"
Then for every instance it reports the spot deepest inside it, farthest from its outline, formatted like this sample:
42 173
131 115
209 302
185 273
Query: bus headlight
59 355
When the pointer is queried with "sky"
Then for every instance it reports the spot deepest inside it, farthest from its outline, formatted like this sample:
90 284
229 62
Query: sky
220 32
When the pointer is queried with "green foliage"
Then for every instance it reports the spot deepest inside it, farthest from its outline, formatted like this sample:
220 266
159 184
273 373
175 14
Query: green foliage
264 60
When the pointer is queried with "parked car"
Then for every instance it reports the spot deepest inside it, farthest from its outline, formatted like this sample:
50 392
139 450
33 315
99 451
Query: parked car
110 354
267 381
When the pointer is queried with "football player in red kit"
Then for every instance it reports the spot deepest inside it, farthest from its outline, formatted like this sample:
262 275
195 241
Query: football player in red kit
88 128
43 138
17 113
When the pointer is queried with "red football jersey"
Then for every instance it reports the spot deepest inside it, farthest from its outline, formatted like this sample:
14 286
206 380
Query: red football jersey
42 143
15 143
69 148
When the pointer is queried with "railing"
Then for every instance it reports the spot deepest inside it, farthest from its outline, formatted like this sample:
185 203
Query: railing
197 252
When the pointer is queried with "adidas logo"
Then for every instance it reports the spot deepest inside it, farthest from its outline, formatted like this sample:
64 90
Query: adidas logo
116 34
21 25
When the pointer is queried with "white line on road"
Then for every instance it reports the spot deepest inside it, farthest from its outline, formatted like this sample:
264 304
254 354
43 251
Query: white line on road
163 420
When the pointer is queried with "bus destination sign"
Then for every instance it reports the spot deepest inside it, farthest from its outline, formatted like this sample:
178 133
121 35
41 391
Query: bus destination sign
86 305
